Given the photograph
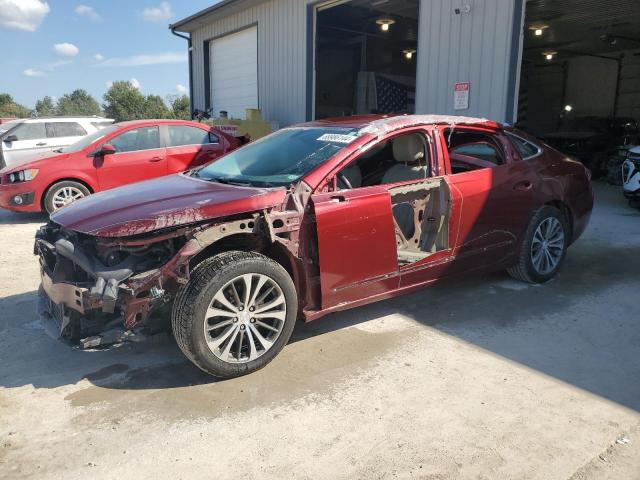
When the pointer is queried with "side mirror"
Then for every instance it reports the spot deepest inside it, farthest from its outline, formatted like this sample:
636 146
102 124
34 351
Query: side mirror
107 149
11 138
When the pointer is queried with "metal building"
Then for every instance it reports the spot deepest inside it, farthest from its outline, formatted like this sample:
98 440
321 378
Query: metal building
298 60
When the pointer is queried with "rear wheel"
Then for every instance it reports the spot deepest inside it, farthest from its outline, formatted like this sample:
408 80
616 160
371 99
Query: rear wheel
235 314
64 193
544 247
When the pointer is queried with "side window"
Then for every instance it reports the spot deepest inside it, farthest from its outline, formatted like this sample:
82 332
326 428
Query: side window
64 129
145 138
29 131
400 159
185 135
471 150
526 149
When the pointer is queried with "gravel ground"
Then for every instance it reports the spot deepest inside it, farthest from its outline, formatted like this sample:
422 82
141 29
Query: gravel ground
484 378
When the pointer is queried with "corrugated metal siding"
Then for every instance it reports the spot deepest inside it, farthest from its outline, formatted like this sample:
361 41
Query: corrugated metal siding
474 47
281 56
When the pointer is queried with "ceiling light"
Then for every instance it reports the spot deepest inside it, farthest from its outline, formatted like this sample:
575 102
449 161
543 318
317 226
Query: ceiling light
408 54
385 23
538 30
549 55
568 108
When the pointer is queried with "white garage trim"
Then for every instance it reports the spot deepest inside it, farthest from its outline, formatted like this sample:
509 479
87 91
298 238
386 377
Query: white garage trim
233 69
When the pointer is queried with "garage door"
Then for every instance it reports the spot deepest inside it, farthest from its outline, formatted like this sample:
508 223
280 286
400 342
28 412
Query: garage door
234 72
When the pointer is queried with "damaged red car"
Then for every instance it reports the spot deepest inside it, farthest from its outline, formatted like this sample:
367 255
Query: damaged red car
310 220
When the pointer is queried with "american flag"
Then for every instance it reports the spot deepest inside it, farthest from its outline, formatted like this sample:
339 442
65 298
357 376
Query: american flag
393 97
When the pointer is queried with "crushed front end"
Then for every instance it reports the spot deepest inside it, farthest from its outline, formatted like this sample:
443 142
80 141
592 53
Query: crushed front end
97 291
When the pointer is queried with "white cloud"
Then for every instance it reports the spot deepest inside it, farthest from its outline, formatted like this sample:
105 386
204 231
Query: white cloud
89 12
146 59
98 57
22 14
135 83
157 14
34 72
108 84
66 49
181 89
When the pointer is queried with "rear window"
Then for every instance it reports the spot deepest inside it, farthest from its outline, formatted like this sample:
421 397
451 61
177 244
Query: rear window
186 135
29 131
526 149
65 129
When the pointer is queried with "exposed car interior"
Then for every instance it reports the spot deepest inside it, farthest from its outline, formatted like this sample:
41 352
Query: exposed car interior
403 158
421 209
470 151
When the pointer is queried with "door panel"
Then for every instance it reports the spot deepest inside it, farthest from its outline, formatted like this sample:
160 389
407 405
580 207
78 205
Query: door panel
356 244
189 147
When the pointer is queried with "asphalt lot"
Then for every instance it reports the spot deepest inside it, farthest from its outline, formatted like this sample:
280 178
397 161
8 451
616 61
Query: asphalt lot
484 378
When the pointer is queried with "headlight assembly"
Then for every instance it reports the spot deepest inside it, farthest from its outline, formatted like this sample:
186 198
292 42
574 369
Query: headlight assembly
23 175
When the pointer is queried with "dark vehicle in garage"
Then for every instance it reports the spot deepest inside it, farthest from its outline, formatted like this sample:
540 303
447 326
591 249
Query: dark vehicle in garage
592 140
310 220
116 155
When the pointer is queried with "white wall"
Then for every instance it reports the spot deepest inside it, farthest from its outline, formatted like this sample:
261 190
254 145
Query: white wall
474 47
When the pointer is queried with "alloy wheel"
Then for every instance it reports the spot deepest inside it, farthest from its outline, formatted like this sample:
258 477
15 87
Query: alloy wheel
65 196
547 246
245 318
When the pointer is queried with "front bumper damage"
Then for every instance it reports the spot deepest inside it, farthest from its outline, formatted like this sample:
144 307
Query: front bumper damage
100 291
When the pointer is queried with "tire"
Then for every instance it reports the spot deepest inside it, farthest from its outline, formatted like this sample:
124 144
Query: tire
217 277
525 269
63 189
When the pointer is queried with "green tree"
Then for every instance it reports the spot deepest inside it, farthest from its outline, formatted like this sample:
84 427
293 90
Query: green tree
45 107
124 102
9 108
154 107
180 107
78 103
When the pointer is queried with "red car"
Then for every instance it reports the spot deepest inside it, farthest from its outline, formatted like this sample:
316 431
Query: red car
114 156
309 220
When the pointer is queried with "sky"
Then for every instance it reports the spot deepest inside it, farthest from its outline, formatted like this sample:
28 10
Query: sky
52 47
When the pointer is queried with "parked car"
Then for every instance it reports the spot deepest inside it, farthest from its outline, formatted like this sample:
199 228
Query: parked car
631 177
111 157
593 140
310 220
28 139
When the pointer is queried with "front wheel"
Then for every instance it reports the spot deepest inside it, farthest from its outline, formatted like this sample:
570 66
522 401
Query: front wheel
544 247
64 193
235 314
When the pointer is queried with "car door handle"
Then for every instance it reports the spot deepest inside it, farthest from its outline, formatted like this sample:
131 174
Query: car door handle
523 186
155 159
338 198
41 144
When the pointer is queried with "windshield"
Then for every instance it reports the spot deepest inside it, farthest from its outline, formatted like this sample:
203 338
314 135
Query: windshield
88 140
280 159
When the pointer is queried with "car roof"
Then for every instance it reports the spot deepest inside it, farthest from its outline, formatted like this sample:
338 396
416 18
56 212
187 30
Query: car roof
160 121
372 123
63 119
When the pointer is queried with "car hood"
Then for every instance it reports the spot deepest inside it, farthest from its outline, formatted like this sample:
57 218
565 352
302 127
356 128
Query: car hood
166 202
35 161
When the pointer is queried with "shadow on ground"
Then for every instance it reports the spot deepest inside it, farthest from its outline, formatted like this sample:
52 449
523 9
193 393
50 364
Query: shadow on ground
581 329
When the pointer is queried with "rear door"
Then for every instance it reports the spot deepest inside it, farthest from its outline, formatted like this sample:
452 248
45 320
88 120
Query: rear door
61 134
497 195
28 140
189 146
139 156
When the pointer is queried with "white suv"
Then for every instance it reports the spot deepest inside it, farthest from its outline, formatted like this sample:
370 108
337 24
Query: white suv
28 139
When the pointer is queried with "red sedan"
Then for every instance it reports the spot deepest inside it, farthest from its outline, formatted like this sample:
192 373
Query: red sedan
307 221
114 156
